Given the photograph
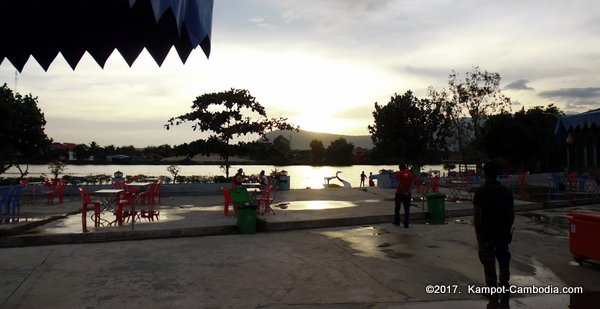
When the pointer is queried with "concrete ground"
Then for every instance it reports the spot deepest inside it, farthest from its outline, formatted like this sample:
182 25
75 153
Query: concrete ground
330 248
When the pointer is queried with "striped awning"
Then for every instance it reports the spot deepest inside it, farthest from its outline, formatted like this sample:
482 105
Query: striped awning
44 28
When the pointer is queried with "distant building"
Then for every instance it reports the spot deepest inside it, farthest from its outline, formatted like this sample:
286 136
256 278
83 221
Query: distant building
359 154
66 150
118 158
579 137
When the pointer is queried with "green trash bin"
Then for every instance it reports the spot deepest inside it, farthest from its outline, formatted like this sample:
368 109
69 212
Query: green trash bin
284 183
246 218
436 207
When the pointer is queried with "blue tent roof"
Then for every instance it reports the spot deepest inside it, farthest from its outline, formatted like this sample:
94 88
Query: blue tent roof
44 28
583 121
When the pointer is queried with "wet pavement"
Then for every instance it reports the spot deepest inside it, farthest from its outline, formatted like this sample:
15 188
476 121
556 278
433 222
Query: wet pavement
357 259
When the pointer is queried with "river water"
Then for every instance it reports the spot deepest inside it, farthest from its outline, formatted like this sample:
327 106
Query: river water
301 176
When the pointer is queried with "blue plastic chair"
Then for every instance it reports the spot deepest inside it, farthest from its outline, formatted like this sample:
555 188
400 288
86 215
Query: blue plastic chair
4 199
559 185
393 183
14 200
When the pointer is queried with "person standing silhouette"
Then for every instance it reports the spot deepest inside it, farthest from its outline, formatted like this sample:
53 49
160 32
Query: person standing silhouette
404 180
494 215
363 176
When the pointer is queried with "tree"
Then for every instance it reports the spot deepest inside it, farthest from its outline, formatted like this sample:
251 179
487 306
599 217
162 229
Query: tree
478 96
94 150
174 170
56 168
282 147
409 129
81 151
527 137
339 152
22 135
317 152
224 115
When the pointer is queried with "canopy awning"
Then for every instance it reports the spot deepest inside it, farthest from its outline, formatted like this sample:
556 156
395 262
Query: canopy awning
584 121
44 28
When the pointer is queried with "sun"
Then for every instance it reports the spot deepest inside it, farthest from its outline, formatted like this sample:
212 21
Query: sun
324 123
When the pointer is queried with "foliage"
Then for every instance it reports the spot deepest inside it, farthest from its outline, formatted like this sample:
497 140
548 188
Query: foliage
339 152
409 129
174 170
22 124
282 147
56 168
224 115
98 179
524 140
477 96
276 173
81 151
317 152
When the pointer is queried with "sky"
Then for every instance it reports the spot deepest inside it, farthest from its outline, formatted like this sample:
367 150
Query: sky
324 63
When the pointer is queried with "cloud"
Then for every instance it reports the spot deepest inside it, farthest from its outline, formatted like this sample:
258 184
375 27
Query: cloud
575 99
572 93
521 84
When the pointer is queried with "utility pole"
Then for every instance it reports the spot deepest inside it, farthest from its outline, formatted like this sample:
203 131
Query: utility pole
16 78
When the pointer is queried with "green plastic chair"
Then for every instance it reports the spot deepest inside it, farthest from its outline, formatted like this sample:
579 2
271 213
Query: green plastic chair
240 195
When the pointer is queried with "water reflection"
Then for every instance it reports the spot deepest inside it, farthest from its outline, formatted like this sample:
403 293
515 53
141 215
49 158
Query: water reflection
73 224
302 176
313 205
17 219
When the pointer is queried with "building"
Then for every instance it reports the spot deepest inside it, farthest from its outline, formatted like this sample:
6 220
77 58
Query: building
66 150
118 158
579 137
359 154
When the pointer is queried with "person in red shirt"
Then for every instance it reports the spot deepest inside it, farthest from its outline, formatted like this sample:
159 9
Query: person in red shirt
405 180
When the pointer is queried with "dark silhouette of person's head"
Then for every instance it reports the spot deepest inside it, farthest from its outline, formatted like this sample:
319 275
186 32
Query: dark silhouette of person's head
403 166
491 170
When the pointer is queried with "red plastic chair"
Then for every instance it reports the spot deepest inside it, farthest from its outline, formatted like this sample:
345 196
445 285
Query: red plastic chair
127 201
523 179
151 195
434 183
420 185
57 191
157 191
119 184
85 196
572 179
265 198
228 201
147 196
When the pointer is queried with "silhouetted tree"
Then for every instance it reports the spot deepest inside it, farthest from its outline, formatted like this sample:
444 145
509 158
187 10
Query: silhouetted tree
282 147
339 152
525 140
224 115
477 96
408 129
81 151
94 150
22 135
317 152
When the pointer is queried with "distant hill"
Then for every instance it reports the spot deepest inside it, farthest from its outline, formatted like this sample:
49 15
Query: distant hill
301 140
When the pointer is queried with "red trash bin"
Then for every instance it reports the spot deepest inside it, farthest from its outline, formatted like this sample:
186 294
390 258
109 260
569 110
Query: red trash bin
584 233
